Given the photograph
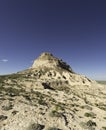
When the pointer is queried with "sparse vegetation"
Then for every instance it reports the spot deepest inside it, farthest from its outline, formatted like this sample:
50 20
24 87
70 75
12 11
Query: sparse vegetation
88 125
91 123
11 90
42 102
101 106
11 77
59 107
90 114
35 126
104 118
102 82
86 107
7 107
53 128
55 113
14 112
2 117
104 127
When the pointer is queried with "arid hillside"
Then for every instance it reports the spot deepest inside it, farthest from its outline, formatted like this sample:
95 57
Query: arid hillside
51 96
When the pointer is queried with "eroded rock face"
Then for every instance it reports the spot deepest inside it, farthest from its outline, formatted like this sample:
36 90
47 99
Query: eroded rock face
48 60
50 96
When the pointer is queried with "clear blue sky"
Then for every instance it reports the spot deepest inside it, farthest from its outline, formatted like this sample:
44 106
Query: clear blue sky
74 30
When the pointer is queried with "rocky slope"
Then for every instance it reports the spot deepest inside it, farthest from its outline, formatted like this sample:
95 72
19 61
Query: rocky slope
51 96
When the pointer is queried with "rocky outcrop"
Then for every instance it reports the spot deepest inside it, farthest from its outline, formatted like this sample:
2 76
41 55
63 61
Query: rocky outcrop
49 61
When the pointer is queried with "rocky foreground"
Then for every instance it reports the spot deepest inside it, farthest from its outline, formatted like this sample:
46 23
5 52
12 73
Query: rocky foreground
51 96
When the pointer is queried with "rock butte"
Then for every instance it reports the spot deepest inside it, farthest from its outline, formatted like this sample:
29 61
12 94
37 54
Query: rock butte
48 60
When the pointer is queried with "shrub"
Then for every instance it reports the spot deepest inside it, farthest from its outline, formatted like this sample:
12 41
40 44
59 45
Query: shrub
104 128
14 112
35 126
55 113
2 117
53 128
90 123
7 107
91 114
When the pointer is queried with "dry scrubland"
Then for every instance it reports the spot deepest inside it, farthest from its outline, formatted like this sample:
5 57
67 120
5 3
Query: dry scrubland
50 96
102 82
